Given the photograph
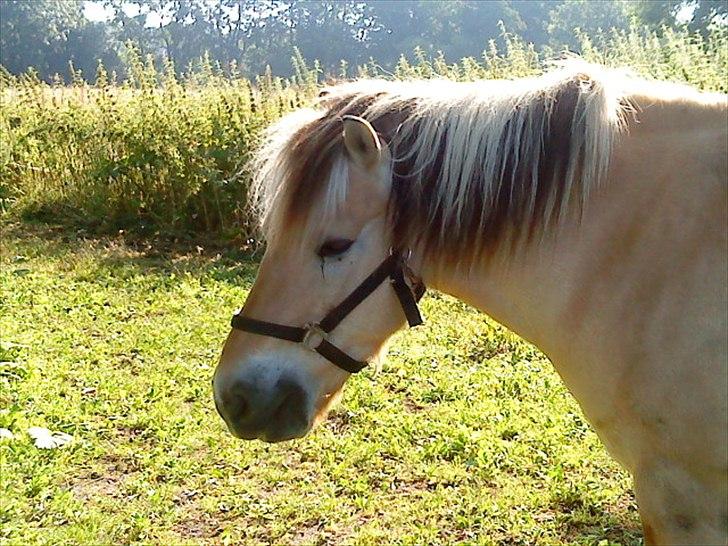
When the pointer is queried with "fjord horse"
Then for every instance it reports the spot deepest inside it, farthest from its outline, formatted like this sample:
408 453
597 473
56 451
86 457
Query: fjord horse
586 210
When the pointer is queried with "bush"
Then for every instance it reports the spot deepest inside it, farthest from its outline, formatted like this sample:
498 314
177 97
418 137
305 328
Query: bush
155 153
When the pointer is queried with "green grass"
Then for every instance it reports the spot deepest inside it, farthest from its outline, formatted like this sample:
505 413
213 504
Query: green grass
466 436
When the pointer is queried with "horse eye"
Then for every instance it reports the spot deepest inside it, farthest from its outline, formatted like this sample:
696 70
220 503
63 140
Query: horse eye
334 247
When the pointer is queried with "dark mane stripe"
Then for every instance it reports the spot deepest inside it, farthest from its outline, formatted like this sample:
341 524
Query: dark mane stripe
476 167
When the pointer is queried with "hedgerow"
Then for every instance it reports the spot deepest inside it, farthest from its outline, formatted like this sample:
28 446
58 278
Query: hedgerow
162 153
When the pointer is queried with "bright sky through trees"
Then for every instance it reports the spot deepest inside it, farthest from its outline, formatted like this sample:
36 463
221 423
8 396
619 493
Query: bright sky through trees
256 34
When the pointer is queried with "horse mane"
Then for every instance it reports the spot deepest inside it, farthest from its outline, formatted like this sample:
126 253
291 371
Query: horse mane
476 166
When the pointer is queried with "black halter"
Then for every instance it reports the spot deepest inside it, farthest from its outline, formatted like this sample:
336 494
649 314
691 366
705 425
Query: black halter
315 335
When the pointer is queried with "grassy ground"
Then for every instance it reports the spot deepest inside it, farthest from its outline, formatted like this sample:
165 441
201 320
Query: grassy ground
467 436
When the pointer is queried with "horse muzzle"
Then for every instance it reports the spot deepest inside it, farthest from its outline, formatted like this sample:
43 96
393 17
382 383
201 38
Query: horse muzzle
272 413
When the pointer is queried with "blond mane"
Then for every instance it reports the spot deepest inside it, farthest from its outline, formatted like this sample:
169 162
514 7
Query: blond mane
475 166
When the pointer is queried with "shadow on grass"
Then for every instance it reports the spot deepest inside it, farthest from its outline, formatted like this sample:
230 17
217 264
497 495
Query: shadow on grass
122 254
612 526
586 521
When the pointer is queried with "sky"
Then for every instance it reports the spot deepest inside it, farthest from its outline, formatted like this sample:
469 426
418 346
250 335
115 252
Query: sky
97 12
93 11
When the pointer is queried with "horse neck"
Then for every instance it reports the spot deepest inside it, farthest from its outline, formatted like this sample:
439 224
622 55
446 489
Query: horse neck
523 292
575 293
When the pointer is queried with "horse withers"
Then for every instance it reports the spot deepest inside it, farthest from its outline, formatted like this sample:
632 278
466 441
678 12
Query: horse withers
586 210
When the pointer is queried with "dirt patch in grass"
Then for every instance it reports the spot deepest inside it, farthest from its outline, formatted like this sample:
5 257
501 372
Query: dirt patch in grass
199 526
338 421
109 481
412 406
313 532
94 485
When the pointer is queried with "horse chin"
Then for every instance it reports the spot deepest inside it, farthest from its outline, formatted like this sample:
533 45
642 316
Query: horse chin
275 437
325 405
272 435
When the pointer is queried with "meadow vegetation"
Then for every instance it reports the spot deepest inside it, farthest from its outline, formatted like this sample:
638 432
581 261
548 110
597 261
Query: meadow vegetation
163 153
467 435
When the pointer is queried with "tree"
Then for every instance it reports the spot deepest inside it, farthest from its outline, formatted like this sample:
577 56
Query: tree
47 34
589 17
534 18
457 28
34 34
329 31
702 13
707 13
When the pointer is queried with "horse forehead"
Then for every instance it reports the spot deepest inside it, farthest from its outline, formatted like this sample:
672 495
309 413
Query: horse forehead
364 201
351 199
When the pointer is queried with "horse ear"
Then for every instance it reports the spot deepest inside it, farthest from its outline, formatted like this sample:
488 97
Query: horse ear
362 142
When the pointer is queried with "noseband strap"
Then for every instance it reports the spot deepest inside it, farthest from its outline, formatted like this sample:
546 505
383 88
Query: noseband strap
315 336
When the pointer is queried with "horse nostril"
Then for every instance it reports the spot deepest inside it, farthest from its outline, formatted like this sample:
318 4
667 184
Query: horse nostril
237 401
291 402
274 412
240 408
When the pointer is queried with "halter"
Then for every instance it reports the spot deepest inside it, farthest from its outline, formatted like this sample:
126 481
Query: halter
315 336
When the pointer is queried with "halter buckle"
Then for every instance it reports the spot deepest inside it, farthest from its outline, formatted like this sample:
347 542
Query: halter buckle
313 337
409 275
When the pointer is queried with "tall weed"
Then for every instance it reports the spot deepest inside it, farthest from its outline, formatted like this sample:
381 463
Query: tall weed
162 153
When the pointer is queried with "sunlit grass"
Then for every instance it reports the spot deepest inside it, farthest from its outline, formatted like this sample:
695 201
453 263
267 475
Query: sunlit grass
466 435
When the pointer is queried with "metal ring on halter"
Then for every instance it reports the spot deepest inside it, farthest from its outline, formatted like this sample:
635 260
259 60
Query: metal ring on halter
313 337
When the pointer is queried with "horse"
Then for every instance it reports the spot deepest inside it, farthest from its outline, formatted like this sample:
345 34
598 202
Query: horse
584 209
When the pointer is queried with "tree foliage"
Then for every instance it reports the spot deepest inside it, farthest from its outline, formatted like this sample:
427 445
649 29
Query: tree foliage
589 17
47 34
658 13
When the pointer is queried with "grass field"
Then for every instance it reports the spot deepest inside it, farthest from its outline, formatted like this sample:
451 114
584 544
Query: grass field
466 436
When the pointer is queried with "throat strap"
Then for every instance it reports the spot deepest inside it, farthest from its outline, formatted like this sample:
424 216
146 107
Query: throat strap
407 299
315 336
